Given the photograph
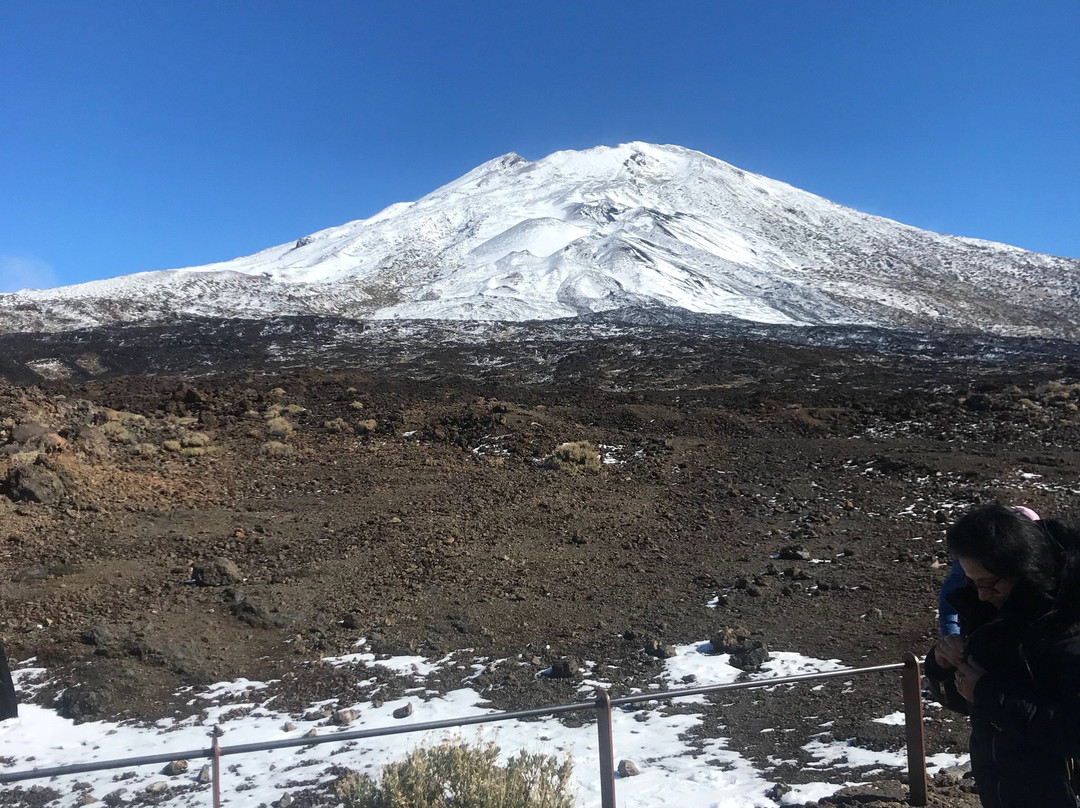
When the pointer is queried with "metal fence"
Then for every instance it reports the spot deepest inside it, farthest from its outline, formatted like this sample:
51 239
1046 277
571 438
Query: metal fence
913 722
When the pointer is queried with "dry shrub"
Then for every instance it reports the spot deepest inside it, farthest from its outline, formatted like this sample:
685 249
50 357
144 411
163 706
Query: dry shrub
337 425
279 428
146 450
367 426
116 431
275 448
171 446
130 418
273 411
200 451
357 405
293 409
575 456
463 775
194 439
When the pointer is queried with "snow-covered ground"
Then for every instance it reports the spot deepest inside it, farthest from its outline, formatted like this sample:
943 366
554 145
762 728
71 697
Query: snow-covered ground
672 772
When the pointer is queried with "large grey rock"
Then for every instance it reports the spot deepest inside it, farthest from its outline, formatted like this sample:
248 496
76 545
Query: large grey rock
34 484
218 572
22 433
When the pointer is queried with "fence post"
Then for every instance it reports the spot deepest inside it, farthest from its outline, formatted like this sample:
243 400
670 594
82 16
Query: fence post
913 725
607 750
215 750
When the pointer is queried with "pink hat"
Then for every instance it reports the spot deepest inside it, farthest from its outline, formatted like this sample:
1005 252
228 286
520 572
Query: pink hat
1030 514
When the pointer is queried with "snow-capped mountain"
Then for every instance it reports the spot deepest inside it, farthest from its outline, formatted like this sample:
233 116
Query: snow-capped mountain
587 231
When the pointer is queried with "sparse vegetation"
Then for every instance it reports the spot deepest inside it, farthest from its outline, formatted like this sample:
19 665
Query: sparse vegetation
200 451
575 456
171 446
464 775
116 431
279 427
194 439
337 425
275 448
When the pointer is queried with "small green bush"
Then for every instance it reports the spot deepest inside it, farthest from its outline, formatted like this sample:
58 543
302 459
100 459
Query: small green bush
463 775
575 456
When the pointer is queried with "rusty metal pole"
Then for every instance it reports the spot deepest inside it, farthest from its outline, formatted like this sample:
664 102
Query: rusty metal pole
215 749
913 726
607 750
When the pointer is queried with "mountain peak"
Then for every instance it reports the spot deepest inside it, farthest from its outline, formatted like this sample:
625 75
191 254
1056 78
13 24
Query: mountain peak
576 232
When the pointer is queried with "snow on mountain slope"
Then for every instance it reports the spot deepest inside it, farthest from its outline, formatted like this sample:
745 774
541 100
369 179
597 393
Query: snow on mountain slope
587 231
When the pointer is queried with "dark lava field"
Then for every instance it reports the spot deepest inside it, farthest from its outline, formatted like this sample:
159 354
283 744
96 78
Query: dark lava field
203 501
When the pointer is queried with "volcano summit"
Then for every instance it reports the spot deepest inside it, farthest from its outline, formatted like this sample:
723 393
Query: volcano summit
580 232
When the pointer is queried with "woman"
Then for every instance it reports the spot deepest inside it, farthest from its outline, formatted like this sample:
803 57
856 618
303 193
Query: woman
1015 667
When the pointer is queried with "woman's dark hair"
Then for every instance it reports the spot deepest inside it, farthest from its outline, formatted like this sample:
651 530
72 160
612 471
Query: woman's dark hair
1043 555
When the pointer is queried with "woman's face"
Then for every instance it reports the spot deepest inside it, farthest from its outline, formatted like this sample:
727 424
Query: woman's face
991 588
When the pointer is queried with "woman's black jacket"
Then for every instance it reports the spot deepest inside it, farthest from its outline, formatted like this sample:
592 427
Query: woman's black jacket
1025 717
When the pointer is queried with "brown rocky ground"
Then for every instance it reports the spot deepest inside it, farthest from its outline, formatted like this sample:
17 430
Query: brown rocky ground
422 511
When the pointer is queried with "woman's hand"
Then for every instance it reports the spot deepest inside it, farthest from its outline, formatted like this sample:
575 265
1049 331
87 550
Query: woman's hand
949 651
967 676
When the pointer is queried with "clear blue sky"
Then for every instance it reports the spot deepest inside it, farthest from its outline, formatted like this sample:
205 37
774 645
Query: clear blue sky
145 135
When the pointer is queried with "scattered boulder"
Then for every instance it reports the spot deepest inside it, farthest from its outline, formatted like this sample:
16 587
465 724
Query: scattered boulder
84 703
343 718
218 572
659 650
255 614
99 636
34 484
746 654
24 433
750 659
729 640
565 668
404 712
175 768
794 552
627 768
